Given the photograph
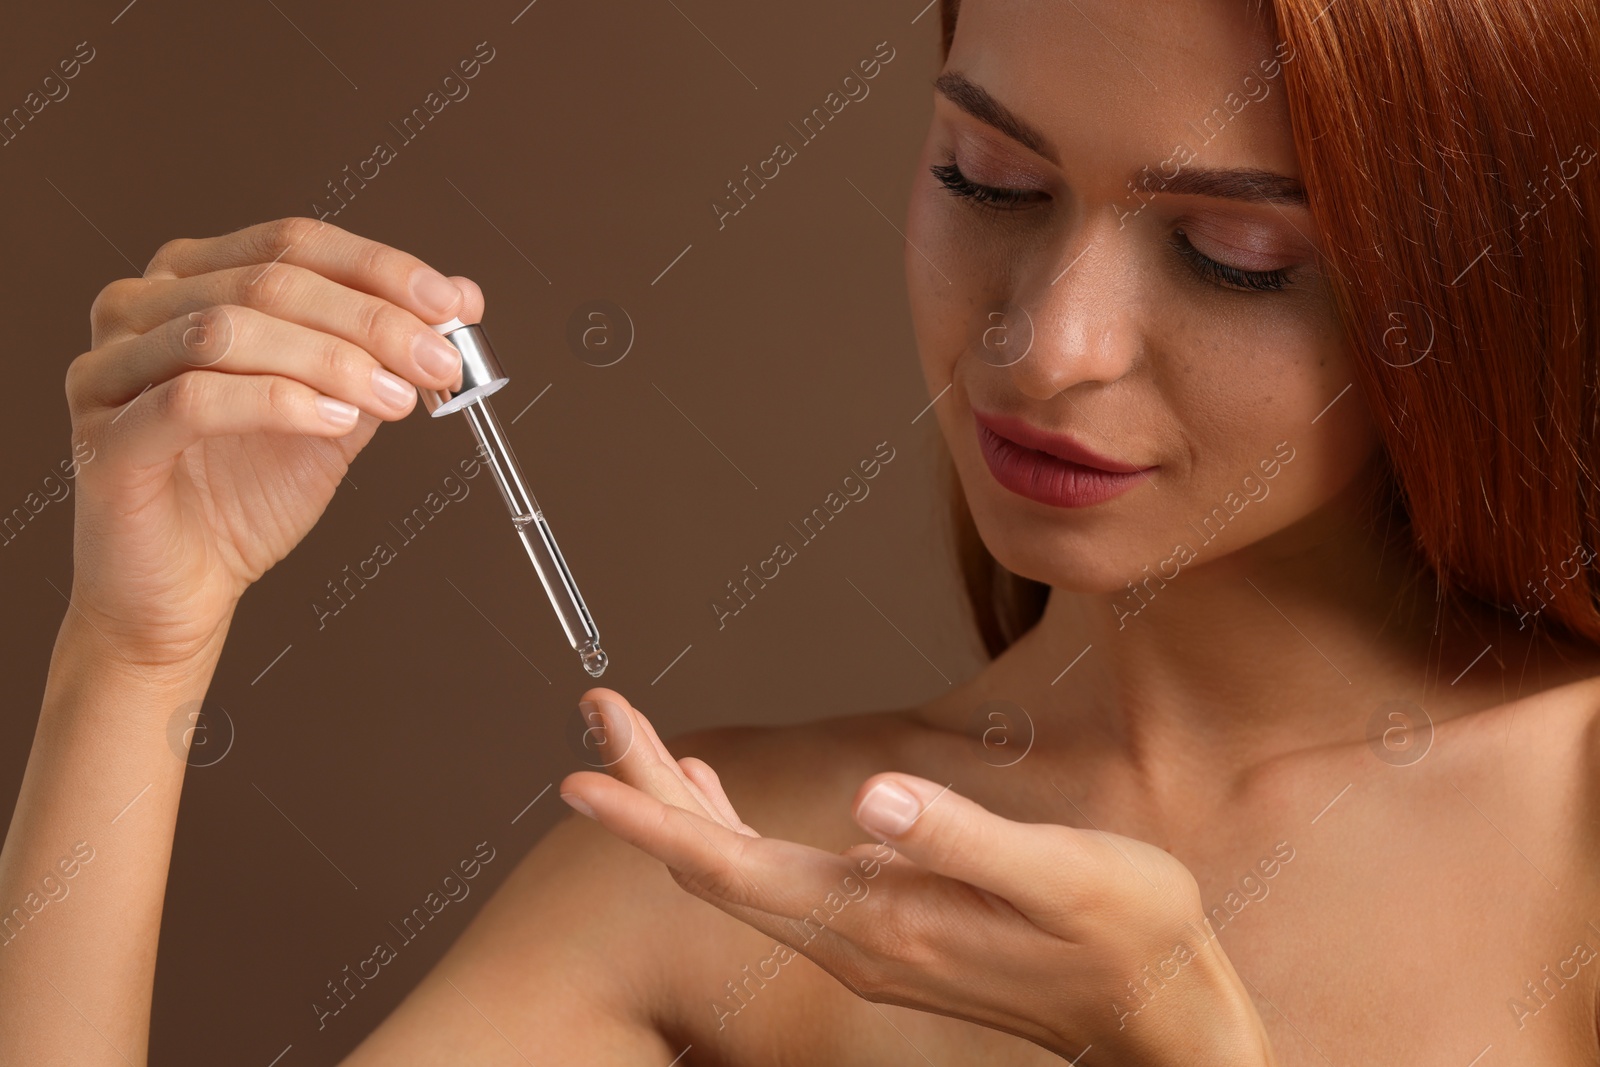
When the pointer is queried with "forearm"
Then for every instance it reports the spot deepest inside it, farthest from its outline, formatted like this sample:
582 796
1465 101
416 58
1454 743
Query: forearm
84 868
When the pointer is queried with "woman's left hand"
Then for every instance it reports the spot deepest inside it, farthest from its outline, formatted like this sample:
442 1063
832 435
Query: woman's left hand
1068 938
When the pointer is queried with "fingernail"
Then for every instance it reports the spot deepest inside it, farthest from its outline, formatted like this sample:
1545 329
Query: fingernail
436 356
587 710
336 412
391 389
578 804
888 809
435 292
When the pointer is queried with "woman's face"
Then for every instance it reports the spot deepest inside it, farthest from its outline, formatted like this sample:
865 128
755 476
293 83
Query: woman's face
1086 308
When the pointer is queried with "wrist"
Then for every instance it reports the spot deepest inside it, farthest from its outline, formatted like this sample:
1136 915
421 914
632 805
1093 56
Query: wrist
1190 1008
171 659
1239 1034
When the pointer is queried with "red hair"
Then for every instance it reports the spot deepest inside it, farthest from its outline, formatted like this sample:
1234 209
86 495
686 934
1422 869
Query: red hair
1450 151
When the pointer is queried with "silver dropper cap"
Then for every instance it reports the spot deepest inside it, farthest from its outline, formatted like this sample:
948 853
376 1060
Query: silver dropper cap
481 373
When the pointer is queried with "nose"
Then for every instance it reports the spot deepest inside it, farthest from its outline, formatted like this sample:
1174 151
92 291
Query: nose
1075 317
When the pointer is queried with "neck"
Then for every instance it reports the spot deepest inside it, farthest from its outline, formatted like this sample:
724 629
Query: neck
1287 644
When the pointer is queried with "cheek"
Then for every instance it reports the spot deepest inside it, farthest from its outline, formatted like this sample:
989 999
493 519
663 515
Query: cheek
1330 453
955 272
936 299
1256 388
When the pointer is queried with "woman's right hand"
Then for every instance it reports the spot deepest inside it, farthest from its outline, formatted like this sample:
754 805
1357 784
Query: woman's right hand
223 398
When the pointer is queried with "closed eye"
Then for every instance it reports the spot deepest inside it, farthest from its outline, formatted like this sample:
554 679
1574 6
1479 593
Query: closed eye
1001 199
1226 276
996 197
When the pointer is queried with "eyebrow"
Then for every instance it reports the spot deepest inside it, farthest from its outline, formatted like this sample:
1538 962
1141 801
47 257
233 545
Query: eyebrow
1246 184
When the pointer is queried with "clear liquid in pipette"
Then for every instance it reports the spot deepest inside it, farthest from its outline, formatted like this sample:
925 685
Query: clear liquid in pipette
528 519
537 539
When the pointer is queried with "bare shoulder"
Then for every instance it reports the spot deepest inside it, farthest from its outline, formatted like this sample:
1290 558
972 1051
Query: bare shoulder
1579 706
562 964
591 952
1556 726
1541 753
796 781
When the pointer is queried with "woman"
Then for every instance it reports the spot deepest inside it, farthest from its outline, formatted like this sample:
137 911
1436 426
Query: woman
1264 345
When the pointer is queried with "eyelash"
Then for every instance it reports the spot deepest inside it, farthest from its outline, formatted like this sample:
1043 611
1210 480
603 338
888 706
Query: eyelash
1002 200
950 176
1206 267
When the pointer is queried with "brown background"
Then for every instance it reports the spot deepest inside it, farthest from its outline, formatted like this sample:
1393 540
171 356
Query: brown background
417 724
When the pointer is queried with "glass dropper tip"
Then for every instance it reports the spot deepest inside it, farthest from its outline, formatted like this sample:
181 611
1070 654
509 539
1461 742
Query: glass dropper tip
594 660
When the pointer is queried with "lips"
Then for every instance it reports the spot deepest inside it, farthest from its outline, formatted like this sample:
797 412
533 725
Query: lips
1051 469
1021 433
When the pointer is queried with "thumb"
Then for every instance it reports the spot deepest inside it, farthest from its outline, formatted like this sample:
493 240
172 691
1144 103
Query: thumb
945 832
471 299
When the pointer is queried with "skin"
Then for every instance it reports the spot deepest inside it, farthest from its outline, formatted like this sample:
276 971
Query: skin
1228 723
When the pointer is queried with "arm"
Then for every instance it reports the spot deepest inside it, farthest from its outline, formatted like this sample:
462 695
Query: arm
89 847
224 396
569 933
566 963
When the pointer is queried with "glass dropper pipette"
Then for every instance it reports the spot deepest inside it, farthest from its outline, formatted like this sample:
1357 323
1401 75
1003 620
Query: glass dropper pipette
480 376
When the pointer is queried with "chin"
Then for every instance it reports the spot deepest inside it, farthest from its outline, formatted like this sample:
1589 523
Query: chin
1080 573
1063 551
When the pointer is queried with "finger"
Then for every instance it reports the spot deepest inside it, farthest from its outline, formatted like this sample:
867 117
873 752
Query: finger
398 339
700 773
238 340
1029 864
357 262
648 729
471 299
763 874
197 404
647 765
